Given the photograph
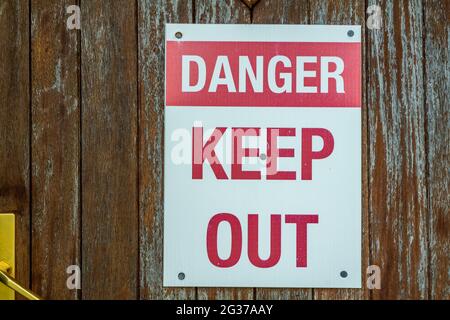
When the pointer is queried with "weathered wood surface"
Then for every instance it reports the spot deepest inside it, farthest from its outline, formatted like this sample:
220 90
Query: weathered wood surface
398 183
152 17
82 142
110 246
55 145
15 126
437 144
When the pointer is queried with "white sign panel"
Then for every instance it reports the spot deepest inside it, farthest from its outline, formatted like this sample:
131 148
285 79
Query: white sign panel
262 176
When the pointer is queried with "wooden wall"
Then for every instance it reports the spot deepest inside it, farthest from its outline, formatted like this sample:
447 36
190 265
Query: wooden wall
81 142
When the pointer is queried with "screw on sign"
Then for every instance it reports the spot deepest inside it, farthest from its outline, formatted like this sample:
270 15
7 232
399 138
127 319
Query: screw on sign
271 195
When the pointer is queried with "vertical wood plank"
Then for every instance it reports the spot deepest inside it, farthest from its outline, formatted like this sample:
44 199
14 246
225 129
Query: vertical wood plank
438 124
223 11
351 12
109 150
282 12
397 171
152 16
15 126
55 149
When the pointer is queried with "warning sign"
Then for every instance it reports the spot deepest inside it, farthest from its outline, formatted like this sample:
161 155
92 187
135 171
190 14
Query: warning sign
262 176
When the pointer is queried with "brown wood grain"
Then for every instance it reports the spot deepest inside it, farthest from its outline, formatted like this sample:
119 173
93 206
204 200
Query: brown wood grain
221 11
55 149
90 167
152 17
227 11
109 150
397 170
250 3
438 144
282 12
350 12
15 126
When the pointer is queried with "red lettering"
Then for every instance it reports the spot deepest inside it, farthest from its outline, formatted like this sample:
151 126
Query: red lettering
239 153
301 221
273 153
275 241
308 154
236 240
202 152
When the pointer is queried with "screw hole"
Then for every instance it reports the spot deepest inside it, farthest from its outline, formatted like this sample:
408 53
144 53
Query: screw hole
178 35
344 274
181 276
350 33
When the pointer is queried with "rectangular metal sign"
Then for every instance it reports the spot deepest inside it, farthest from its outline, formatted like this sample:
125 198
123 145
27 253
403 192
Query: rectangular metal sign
262 174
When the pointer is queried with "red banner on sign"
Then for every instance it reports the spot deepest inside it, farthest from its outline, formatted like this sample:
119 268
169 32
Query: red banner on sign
263 74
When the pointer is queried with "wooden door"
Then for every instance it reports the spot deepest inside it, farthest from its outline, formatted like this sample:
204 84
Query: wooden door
81 142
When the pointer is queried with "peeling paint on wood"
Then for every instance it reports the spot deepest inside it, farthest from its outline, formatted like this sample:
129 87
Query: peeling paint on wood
221 11
438 144
152 17
55 149
397 170
110 246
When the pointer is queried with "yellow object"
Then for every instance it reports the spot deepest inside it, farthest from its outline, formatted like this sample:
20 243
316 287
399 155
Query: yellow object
11 283
7 250
7 261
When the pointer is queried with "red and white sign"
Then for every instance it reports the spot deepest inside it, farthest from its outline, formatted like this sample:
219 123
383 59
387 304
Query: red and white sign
262 156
